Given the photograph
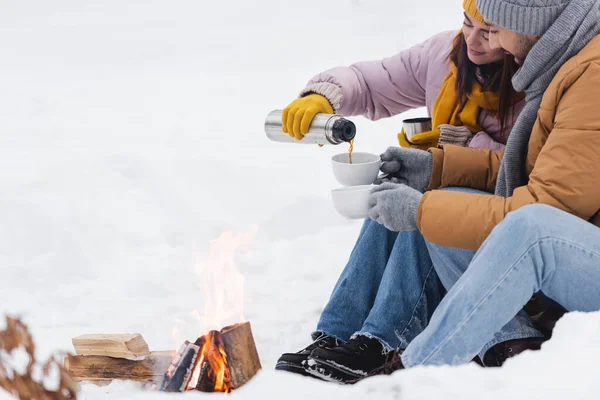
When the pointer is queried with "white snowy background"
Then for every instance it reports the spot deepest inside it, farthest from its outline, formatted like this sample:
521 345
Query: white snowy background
132 136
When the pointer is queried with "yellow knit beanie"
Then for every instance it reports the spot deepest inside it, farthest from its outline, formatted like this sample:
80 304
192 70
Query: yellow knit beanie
471 9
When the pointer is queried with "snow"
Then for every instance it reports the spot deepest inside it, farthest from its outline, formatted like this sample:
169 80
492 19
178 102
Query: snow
132 138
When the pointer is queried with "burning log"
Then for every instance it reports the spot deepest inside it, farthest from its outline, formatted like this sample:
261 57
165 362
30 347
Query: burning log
241 353
119 346
206 383
225 360
180 371
213 375
101 369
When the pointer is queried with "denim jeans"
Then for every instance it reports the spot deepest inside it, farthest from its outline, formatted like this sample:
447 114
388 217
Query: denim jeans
451 263
390 288
537 248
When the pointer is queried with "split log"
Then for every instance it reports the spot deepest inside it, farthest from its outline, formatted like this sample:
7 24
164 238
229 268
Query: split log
242 356
102 369
118 346
180 371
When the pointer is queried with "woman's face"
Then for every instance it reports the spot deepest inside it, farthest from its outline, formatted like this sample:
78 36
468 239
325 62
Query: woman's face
478 46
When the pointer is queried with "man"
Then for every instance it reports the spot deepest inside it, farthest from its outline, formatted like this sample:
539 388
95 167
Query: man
539 232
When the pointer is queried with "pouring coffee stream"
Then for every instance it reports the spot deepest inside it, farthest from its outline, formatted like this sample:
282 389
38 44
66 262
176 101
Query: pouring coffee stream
358 171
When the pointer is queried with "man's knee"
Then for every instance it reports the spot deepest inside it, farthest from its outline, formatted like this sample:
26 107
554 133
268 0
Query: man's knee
531 220
534 213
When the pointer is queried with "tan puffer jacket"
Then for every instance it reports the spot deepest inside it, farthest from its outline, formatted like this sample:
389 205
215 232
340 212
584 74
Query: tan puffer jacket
563 163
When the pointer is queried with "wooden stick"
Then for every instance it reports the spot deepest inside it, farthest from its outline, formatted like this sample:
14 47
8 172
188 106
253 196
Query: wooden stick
100 369
119 346
241 352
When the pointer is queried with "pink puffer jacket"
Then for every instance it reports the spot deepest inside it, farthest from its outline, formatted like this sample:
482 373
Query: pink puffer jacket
410 79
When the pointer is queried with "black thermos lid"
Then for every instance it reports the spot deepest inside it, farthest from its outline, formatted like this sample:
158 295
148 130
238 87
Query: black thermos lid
343 130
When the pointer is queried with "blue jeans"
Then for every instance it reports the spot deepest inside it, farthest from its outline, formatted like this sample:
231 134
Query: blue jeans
390 288
537 248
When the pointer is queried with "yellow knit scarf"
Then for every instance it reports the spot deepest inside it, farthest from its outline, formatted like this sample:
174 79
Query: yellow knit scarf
447 110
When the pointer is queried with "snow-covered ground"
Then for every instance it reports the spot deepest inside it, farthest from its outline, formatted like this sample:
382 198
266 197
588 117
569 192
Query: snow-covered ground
132 137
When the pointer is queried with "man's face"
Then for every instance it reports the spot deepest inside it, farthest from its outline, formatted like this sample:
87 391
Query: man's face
517 44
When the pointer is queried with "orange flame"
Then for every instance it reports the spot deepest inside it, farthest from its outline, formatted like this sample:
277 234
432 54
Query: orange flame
211 373
222 285
222 289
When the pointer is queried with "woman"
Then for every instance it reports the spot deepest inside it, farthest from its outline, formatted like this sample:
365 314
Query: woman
389 288
444 74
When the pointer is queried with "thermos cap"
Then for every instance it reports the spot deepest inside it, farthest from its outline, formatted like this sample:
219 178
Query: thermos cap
343 130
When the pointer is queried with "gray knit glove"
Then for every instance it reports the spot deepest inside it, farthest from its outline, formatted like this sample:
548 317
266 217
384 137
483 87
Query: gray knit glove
395 206
456 135
411 167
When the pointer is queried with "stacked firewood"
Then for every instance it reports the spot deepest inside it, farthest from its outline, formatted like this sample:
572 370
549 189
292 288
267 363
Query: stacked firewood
102 358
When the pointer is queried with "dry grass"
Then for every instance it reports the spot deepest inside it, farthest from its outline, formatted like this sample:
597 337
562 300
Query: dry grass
23 385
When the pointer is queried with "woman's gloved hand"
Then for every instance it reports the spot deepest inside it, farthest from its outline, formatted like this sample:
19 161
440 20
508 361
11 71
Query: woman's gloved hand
456 135
421 141
299 114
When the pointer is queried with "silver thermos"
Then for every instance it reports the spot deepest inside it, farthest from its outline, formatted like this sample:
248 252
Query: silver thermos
324 129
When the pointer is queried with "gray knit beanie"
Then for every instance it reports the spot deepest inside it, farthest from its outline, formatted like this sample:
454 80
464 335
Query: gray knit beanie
529 17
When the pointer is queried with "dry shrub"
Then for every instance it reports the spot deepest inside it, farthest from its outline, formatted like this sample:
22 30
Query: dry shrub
22 385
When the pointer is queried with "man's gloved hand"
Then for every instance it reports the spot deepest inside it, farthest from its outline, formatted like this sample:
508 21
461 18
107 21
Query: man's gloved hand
411 167
395 206
298 115
456 135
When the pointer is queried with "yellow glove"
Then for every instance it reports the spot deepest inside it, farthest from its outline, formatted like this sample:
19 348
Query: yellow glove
422 141
299 114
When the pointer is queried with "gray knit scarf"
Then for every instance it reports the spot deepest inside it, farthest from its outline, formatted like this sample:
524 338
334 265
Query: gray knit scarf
571 32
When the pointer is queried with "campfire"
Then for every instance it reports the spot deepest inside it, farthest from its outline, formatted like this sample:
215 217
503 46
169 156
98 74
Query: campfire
224 359
221 360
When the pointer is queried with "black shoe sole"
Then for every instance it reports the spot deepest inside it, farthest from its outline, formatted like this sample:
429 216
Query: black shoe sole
294 368
331 372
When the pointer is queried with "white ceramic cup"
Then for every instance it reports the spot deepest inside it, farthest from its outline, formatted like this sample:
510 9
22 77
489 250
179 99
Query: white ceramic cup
363 170
352 202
